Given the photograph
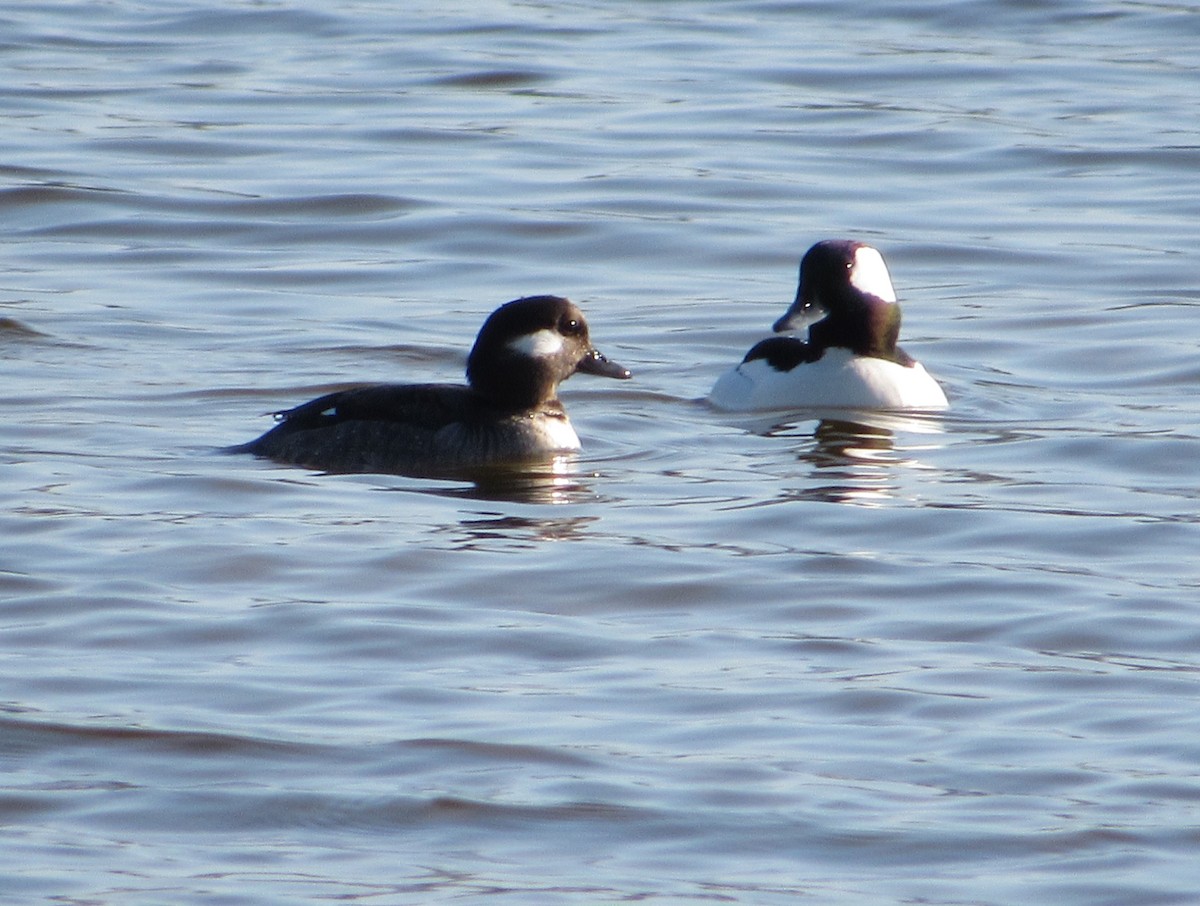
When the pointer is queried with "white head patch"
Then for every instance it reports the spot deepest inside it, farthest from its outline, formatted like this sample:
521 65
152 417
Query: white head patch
869 274
539 345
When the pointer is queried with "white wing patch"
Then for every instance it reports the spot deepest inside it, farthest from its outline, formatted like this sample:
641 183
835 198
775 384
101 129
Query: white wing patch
539 344
870 275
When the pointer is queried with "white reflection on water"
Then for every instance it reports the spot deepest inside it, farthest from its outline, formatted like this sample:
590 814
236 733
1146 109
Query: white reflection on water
853 455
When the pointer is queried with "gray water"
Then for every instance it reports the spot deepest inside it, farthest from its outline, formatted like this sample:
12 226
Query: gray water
948 660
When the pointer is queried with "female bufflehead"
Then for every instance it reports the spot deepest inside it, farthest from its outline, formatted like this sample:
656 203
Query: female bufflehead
850 358
510 412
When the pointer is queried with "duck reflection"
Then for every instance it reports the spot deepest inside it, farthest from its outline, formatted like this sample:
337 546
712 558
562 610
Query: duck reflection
853 457
556 481
856 457
493 532
551 484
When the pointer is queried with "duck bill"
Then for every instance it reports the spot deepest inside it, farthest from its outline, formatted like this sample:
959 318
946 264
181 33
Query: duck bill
804 313
595 362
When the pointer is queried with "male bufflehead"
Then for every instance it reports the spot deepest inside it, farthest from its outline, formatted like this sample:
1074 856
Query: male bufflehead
509 413
850 358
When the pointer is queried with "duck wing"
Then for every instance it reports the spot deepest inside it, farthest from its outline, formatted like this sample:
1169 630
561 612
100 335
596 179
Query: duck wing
784 353
427 406
374 428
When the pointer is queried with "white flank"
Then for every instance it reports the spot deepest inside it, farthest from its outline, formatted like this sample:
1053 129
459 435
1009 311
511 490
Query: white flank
559 435
839 379
870 275
539 344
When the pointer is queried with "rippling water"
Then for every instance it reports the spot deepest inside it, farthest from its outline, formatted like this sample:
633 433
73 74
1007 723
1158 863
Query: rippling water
710 660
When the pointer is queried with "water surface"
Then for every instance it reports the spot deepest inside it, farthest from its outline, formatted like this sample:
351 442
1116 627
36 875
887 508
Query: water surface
711 659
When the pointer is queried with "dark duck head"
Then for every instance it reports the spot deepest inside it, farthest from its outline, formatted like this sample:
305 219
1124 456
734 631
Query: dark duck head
846 299
527 347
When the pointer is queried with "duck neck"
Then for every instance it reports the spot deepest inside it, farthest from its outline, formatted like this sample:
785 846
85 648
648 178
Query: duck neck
865 330
509 384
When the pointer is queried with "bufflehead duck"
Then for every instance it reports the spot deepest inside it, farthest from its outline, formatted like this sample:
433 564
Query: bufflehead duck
850 358
509 413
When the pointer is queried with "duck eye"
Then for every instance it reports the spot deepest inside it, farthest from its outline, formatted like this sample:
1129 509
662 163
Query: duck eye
570 327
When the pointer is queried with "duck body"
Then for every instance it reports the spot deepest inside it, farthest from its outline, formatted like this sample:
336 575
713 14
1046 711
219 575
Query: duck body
840 378
850 357
412 427
508 412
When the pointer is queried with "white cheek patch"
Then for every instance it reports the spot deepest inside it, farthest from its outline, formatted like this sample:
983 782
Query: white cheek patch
539 345
870 275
